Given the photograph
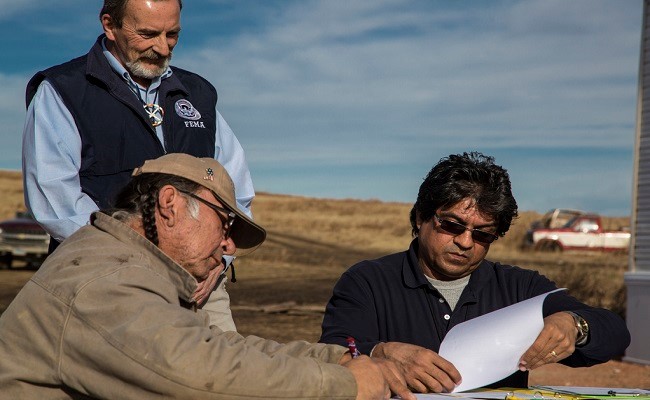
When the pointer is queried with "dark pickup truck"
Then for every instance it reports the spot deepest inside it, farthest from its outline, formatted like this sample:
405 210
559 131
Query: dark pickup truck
22 239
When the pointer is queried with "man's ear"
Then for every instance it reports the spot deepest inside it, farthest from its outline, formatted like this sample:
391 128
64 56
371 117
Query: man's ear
168 204
108 25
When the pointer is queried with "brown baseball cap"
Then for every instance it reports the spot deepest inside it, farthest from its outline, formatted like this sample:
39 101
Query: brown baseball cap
207 172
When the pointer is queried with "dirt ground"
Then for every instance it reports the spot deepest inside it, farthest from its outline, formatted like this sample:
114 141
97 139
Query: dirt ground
290 320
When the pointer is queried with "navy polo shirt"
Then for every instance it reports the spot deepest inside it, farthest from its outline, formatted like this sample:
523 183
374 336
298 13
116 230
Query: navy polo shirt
390 299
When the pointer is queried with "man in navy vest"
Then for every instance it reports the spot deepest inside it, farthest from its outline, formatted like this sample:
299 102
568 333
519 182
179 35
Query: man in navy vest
92 120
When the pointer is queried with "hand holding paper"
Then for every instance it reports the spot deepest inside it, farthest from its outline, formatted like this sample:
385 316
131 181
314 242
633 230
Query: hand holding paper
488 348
424 370
555 342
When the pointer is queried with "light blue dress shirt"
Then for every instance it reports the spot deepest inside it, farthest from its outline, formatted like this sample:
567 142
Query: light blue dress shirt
52 158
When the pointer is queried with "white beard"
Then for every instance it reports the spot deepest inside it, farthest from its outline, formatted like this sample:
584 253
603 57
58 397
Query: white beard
137 68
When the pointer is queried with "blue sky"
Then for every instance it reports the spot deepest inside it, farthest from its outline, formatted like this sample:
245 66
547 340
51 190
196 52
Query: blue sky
360 98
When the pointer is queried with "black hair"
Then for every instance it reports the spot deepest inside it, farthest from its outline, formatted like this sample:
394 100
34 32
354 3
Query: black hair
462 176
140 195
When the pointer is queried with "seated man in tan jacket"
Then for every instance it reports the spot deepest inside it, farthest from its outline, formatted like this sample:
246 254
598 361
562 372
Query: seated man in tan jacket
110 314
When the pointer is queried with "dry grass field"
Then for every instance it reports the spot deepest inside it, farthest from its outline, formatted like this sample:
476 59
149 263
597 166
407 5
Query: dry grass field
282 288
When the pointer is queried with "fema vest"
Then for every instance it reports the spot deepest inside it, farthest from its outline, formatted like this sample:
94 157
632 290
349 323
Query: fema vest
116 134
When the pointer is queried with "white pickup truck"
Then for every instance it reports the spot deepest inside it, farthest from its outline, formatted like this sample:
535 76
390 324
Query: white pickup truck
582 232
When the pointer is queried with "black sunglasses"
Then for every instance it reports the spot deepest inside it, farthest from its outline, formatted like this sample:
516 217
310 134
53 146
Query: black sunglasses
227 223
457 229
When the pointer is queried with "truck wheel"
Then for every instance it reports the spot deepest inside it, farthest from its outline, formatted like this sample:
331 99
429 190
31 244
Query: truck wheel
7 260
549 246
33 265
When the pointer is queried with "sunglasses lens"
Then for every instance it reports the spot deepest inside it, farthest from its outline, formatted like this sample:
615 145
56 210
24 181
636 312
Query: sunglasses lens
228 225
452 227
458 229
484 237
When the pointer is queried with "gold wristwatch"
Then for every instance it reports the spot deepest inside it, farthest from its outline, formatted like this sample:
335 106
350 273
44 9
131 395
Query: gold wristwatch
582 326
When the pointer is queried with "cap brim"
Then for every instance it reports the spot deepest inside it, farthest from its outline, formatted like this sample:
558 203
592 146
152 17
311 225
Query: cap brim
246 234
209 173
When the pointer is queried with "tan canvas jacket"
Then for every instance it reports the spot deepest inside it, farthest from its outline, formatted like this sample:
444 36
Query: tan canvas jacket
110 316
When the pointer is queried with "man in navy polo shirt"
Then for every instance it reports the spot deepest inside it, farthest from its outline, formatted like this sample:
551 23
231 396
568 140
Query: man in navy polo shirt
401 306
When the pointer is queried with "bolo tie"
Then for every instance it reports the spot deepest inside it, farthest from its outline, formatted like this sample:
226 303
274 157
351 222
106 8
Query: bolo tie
153 110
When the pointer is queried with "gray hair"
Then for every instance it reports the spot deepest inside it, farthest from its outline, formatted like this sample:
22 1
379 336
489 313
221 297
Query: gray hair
115 8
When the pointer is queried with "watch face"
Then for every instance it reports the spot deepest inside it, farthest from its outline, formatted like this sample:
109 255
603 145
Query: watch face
583 329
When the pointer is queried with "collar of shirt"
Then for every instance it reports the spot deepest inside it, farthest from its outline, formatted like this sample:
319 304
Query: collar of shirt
414 277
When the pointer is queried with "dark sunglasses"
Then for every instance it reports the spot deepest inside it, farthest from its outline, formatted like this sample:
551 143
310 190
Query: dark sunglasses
457 229
227 223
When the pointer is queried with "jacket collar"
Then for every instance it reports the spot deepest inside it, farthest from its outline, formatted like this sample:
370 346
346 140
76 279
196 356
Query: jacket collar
182 280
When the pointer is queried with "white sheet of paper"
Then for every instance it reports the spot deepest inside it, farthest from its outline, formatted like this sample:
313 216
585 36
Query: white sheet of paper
487 349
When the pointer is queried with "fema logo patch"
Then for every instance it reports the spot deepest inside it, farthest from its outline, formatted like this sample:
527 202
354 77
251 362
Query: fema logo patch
186 110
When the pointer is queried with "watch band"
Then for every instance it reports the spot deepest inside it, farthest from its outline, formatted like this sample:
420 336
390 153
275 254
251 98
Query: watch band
582 326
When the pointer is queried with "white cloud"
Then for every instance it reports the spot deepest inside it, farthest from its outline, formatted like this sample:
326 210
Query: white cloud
316 85
539 65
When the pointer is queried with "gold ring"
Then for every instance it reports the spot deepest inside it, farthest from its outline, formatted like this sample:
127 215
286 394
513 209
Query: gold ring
553 353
